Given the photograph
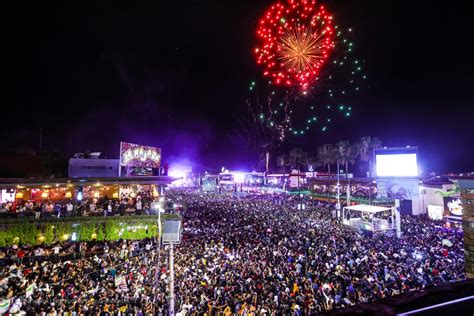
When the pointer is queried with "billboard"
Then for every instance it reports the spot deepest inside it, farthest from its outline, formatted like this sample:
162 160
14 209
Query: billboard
435 212
133 155
396 162
453 206
396 188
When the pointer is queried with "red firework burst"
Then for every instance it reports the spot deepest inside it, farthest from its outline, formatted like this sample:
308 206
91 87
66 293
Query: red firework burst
294 41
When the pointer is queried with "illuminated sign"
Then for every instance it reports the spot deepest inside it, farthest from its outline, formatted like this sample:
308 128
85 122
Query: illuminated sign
133 155
455 207
435 212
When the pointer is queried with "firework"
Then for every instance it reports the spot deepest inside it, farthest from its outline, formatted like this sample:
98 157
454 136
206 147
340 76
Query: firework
302 50
282 113
295 41
310 72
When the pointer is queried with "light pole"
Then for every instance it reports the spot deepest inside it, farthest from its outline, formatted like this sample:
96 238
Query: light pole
338 205
156 207
348 191
171 311
171 235
397 219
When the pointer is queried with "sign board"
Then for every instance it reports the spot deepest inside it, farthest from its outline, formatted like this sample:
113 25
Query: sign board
435 212
171 232
93 168
398 188
453 206
209 184
133 155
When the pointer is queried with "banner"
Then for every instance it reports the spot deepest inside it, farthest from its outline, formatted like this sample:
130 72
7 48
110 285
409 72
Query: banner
453 206
133 155
397 188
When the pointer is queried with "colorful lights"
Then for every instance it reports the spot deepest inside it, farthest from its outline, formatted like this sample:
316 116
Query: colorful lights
308 70
293 48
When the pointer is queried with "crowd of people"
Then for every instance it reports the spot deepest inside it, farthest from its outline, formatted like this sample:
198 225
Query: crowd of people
357 189
103 206
239 256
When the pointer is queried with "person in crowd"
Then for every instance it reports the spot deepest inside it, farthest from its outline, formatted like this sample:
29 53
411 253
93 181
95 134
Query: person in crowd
38 210
69 208
57 209
138 205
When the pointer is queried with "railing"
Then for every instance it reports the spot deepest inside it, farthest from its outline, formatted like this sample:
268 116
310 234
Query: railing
376 225
362 200
382 224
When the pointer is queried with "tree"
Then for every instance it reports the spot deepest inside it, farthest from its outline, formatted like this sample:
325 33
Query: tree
296 159
341 153
345 153
366 146
313 163
326 155
282 162
262 138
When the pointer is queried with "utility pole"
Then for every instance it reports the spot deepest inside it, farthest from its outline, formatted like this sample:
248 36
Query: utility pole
158 260
348 192
171 310
171 235
397 219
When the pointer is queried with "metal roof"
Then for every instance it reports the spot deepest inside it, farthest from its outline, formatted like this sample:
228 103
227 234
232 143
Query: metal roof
33 182
367 208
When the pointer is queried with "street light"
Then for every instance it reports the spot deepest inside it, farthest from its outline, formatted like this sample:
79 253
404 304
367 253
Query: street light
338 205
171 236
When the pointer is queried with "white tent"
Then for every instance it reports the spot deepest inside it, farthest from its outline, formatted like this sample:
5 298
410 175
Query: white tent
372 218
367 208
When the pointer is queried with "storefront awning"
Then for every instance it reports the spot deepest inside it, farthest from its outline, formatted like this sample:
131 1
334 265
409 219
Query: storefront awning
14 182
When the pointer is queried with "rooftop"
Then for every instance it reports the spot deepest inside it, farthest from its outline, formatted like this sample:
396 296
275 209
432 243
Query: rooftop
367 208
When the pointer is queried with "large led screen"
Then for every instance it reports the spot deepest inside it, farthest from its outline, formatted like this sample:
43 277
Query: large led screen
396 165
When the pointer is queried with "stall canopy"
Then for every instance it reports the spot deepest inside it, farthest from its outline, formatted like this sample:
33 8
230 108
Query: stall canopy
367 208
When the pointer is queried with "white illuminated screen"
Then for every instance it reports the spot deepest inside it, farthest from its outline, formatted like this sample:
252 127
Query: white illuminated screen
402 165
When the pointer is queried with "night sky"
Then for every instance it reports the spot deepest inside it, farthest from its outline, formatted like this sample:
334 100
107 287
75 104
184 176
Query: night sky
175 74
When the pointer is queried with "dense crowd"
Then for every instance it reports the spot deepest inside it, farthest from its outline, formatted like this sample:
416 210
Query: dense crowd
242 256
362 190
102 206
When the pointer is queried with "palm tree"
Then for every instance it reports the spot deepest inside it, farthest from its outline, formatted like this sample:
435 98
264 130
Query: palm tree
348 154
367 146
341 154
282 162
312 163
326 156
353 154
296 159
